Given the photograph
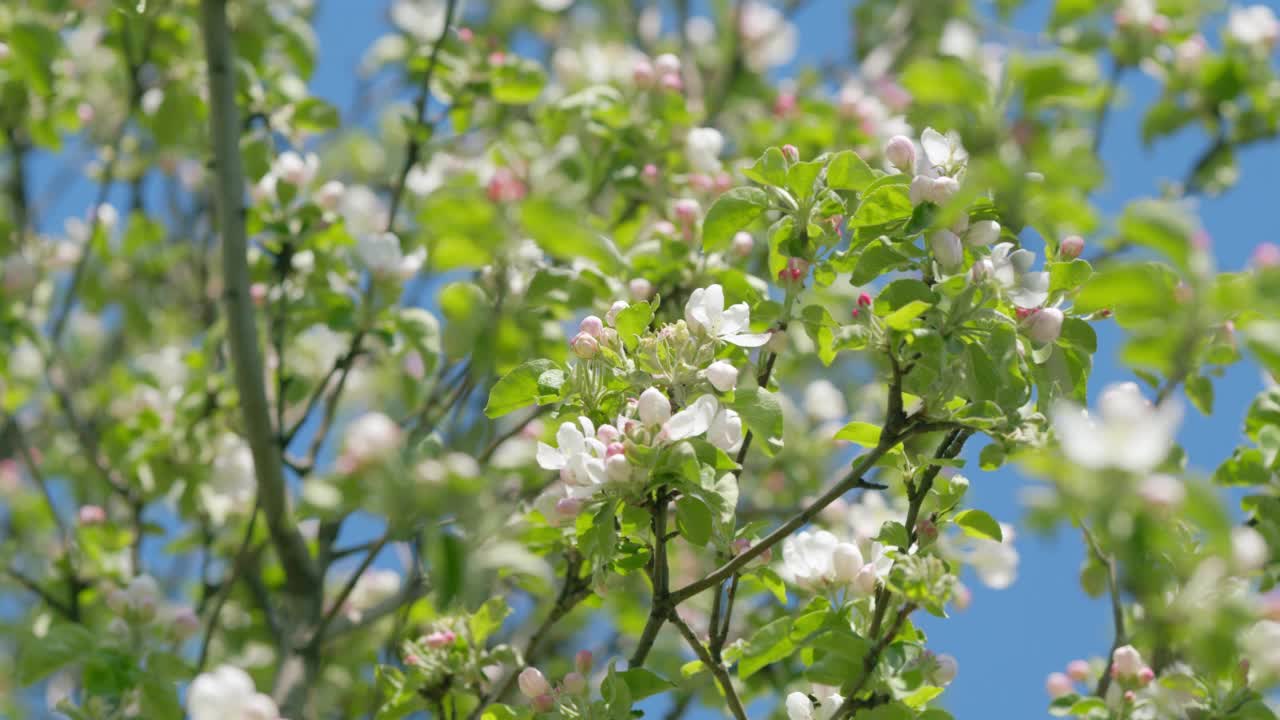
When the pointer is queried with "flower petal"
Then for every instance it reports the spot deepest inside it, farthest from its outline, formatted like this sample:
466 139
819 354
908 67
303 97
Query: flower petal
748 340
693 420
549 458
736 319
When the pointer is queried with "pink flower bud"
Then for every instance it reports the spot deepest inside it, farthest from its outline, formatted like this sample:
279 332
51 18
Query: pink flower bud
584 346
1058 685
1145 676
901 153
582 661
671 82
185 622
666 64
505 187
926 531
961 597
855 313
864 299
544 703
85 113
687 211
615 448
642 73
664 229
946 670
532 683
1044 325
569 507
574 683
465 34
791 152
440 639
1126 662
743 243
258 293
784 104
91 515
1159 25
649 173
641 289
1071 247
412 660
723 182
607 434
1078 670
1129 697
497 57
592 326
1266 255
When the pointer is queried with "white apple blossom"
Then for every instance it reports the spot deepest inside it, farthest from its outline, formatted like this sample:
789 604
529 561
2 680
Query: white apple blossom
653 407
372 587
945 154
1253 26
1012 270
1248 549
228 693
722 425
316 351
947 250
702 149
423 19
824 402
982 233
232 485
1261 645
800 707
579 457
722 375
808 559
1128 432
706 312
369 439
768 39
996 562
380 253
295 169
363 212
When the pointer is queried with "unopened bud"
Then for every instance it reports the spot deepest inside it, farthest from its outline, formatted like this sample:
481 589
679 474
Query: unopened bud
617 307
777 341
653 408
642 73
582 661
671 82
791 152
1071 247
981 270
722 375
544 703
569 507
864 299
961 597
641 289
901 153
947 250
982 233
666 64
1058 684
743 243
1078 670
1044 325
440 639
592 326
926 531
1266 255
532 683
649 173
91 515
585 346
1145 676
946 671
185 622
1129 697
574 683
687 211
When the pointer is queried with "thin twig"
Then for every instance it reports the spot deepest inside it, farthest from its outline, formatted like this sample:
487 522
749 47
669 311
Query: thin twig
1117 608
237 568
350 586
717 669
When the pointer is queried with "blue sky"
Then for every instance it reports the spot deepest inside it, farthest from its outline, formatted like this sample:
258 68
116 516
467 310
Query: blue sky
1008 640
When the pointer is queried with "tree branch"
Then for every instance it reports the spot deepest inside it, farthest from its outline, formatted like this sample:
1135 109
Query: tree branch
349 587
242 331
1117 609
717 669
660 605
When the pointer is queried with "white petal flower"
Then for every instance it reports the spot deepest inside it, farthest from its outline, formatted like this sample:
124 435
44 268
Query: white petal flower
1255 26
945 153
722 375
808 559
1128 432
232 484
380 253
768 40
653 408
702 149
995 562
370 438
423 19
580 458
726 430
1011 269
824 402
692 421
227 693
799 707
706 312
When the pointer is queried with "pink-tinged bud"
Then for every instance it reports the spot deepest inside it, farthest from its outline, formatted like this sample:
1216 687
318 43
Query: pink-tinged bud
981 270
1044 326
641 288
687 211
185 622
1058 685
791 152
926 531
1162 492
1104 313
258 293
649 173
584 346
615 309
1129 697
1078 670
592 326
1071 247
855 313
642 73
574 683
1159 25
664 228
1024 313
666 64
569 507
544 703
1266 255
1126 662
608 434
722 375
91 515
532 683
439 639
797 269
505 186
466 35
743 243
946 671
784 104
497 57
724 181
85 113
1122 18
982 233
741 545
1145 676
701 182
330 194
961 597
865 582
947 250
671 82
864 299
901 153
777 341
615 448
412 660
582 661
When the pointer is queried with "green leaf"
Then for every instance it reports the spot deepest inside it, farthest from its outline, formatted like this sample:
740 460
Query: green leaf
731 212
465 308
616 694
1200 392
768 645
518 83
875 260
801 177
62 645
861 433
904 317
1067 276
564 234
486 620
448 555
1162 225
770 169
315 115
533 382
1143 290
633 322
848 171
159 696
891 203
643 683
979 524
761 413
694 519
1263 339
34 48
